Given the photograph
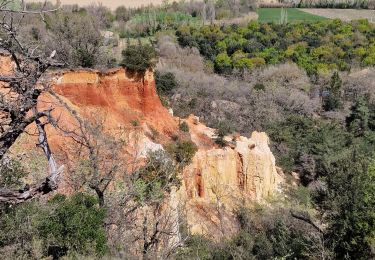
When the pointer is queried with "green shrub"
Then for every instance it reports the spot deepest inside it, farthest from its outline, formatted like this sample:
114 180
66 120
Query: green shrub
259 87
11 174
182 151
18 231
223 63
196 247
165 83
301 195
360 118
349 206
164 101
263 248
73 226
154 180
139 58
307 146
264 234
63 226
184 127
223 129
369 60
85 58
332 97
135 123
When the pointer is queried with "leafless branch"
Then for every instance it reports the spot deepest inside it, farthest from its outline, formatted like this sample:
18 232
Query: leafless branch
304 216
24 86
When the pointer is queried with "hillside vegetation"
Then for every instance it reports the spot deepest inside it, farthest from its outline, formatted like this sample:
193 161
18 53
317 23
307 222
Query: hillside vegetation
305 80
315 46
112 4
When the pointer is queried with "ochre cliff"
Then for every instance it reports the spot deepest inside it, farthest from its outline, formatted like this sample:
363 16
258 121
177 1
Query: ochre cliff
124 96
216 182
226 178
245 168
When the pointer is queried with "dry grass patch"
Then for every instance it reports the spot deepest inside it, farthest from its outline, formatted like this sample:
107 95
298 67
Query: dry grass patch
343 14
112 4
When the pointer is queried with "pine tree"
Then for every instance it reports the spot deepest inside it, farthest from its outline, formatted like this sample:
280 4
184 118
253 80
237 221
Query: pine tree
349 205
332 95
358 121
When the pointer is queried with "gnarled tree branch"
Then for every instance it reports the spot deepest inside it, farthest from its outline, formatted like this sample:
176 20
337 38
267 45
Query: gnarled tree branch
304 216
15 109
51 182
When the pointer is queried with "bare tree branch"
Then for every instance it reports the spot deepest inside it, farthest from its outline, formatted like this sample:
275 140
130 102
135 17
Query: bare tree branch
304 216
25 87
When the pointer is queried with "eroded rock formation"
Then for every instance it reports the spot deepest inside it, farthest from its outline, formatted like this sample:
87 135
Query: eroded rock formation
225 178
216 182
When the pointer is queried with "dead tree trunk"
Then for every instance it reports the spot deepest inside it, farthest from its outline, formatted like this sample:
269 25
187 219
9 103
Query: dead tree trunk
22 81
48 185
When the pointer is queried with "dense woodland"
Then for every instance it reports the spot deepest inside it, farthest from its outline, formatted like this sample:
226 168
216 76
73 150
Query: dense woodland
308 85
316 47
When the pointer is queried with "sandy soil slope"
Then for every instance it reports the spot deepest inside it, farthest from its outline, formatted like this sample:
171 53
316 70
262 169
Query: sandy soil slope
343 14
113 4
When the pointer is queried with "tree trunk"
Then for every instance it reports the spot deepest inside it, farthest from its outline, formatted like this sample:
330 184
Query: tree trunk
100 195
48 185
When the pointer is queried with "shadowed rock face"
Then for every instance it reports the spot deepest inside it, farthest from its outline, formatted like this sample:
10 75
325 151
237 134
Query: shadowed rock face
216 182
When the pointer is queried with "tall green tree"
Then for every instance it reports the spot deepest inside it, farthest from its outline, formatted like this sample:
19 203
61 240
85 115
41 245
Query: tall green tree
350 207
358 121
332 96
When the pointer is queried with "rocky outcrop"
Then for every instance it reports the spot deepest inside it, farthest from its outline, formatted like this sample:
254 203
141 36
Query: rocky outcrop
227 177
125 97
217 181
124 105
247 169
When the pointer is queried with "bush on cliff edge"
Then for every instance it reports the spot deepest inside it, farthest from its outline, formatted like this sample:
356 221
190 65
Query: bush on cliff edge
139 58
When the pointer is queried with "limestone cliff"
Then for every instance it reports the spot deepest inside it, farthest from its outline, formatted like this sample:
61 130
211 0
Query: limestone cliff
217 180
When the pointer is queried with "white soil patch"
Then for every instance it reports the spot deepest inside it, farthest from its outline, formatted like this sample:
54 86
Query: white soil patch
343 14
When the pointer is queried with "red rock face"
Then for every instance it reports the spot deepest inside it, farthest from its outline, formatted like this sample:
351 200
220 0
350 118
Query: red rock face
120 101
217 176
122 96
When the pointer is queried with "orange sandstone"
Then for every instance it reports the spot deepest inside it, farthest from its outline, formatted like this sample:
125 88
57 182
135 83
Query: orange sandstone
216 182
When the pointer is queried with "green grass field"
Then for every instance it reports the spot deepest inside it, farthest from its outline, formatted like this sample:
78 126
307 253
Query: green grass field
267 15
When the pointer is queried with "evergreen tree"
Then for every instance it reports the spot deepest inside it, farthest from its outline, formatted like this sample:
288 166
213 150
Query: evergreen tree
350 204
332 95
358 121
